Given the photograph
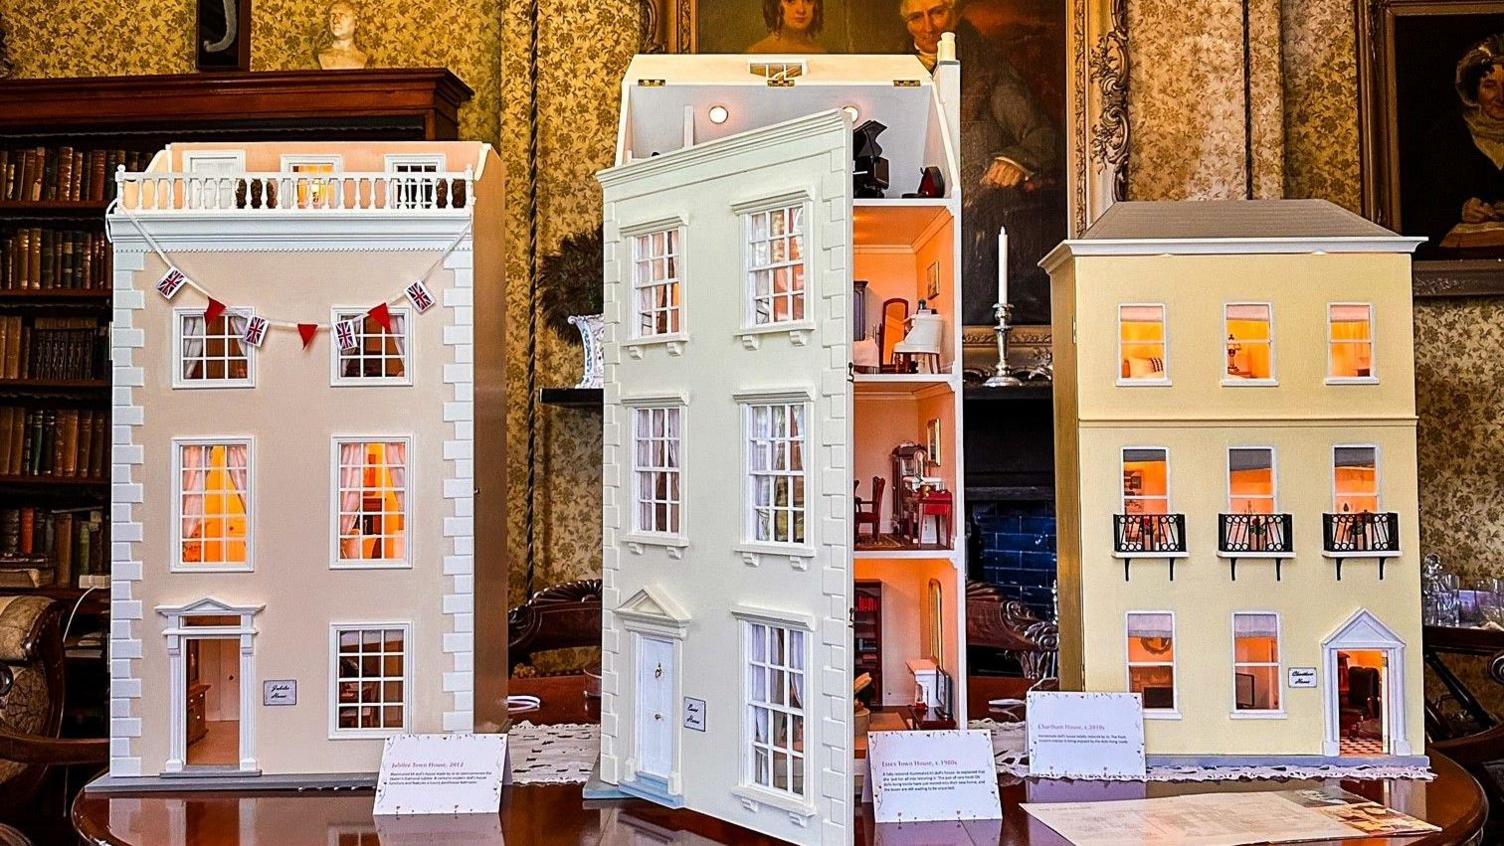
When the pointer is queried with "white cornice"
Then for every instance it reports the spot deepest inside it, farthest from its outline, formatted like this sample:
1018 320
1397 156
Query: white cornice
289 232
720 148
1225 246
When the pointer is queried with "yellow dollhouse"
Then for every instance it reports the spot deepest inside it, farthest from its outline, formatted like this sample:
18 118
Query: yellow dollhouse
1236 479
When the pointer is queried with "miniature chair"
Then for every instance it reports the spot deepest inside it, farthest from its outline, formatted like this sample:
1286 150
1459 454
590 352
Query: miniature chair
922 344
873 507
941 506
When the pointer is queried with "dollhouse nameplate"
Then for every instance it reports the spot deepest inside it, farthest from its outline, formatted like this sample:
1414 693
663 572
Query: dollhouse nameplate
279 692
917 776
442 774
1086 735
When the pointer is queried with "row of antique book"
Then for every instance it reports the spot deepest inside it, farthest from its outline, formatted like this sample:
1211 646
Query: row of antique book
63 173
42 547
59 443
69 348
40 258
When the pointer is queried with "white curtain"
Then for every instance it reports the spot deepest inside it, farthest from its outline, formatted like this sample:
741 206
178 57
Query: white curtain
193 346
194 461
1255 625
1151 625
352 465
399 336
396 457
237 462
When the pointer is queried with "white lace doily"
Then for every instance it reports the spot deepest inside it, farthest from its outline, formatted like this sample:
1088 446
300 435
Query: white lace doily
566 754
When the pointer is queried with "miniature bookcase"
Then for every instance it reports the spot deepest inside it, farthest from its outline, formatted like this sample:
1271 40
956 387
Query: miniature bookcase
1236 478
297 454
761 452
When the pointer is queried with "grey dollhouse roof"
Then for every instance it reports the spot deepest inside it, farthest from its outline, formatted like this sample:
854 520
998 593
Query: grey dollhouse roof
1229 226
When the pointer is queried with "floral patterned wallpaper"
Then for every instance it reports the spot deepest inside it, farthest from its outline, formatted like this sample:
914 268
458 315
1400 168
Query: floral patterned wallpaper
1189 141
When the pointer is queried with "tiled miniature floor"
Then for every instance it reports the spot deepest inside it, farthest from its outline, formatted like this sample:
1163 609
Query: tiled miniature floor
1362 746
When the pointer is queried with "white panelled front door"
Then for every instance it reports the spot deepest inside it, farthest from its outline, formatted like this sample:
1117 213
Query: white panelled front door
655 712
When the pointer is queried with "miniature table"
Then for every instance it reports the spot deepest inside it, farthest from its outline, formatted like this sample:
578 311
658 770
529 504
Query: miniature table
539 815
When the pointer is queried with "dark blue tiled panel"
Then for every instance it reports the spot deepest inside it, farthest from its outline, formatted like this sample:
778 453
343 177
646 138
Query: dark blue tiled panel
1018 550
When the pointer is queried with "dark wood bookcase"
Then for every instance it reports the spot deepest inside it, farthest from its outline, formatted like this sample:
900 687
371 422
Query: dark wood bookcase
140 115
867 635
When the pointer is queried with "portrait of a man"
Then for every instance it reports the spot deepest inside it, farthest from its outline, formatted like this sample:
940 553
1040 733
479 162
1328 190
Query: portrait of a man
1012 107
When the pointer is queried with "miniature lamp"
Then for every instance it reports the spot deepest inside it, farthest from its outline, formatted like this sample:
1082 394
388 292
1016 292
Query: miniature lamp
870 173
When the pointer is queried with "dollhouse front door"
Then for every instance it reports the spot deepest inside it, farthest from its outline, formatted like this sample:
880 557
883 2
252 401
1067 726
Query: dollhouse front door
655 715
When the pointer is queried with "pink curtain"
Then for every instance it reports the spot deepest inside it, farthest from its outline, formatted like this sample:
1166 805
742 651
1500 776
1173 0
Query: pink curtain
238 463
194 461
352 465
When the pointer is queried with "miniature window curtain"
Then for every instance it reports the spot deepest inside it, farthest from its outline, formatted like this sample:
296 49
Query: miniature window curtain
1352 340
396 459
352 466
237 465
193 345
194 473
1151 625
399 336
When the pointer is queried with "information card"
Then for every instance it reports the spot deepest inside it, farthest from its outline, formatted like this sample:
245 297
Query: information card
1086 735
916 776
442 774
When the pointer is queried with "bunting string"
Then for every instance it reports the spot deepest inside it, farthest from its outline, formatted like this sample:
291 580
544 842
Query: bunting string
416 292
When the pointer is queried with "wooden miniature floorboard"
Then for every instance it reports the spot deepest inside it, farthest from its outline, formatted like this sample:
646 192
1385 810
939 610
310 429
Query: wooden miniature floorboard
219 746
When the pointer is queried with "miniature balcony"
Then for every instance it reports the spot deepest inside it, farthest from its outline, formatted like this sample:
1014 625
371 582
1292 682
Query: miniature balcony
1148 536
302 192
1363 534
1255 536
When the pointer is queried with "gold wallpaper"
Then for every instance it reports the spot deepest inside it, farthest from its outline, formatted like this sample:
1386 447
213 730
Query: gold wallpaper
1189 141
116 37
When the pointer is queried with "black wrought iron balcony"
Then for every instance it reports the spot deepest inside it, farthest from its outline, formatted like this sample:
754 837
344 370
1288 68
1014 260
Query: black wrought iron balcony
1361 534
1255 536
1148 536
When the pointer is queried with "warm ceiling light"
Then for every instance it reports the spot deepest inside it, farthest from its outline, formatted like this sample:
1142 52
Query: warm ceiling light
719 115
853 111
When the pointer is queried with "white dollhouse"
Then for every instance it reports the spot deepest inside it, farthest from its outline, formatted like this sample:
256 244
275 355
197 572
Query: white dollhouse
295 519
782 485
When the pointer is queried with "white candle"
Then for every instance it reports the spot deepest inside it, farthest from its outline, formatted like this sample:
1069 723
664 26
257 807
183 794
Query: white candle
1002 265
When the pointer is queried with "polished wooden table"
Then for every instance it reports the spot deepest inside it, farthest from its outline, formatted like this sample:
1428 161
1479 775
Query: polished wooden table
543 815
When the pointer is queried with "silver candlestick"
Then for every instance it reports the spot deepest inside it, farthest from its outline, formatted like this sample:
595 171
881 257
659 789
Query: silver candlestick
1002 375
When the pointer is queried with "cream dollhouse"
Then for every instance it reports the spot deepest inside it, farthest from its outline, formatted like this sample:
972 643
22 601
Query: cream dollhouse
304 527
1236 478
773 344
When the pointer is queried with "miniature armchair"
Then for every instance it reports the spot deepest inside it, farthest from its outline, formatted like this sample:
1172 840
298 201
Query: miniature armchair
921 346
31 704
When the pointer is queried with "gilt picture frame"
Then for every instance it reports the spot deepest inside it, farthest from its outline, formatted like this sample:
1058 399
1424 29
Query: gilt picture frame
1418 105
1093 93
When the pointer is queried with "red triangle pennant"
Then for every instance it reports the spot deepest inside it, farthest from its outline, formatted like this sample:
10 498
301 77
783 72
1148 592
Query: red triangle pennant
215 309
307 331
383 316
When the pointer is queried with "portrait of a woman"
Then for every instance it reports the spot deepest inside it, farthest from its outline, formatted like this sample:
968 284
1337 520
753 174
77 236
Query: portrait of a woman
792 26
1463 165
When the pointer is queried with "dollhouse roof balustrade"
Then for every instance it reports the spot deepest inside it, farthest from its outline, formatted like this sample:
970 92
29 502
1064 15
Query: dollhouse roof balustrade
298 192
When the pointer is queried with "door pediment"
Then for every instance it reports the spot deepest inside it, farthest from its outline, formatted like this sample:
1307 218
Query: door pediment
653 607
1364 629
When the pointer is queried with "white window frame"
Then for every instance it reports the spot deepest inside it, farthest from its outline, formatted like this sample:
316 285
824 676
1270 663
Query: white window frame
175 562
408 658
638 285
1378 476
1278 665
798 329
1123 464
747 787
1373 347
1164 318
394 189
336 380
638 537
408 509
1273 476
223 163
1273 378
634 344
751 548
291 160
181 382
1172 713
